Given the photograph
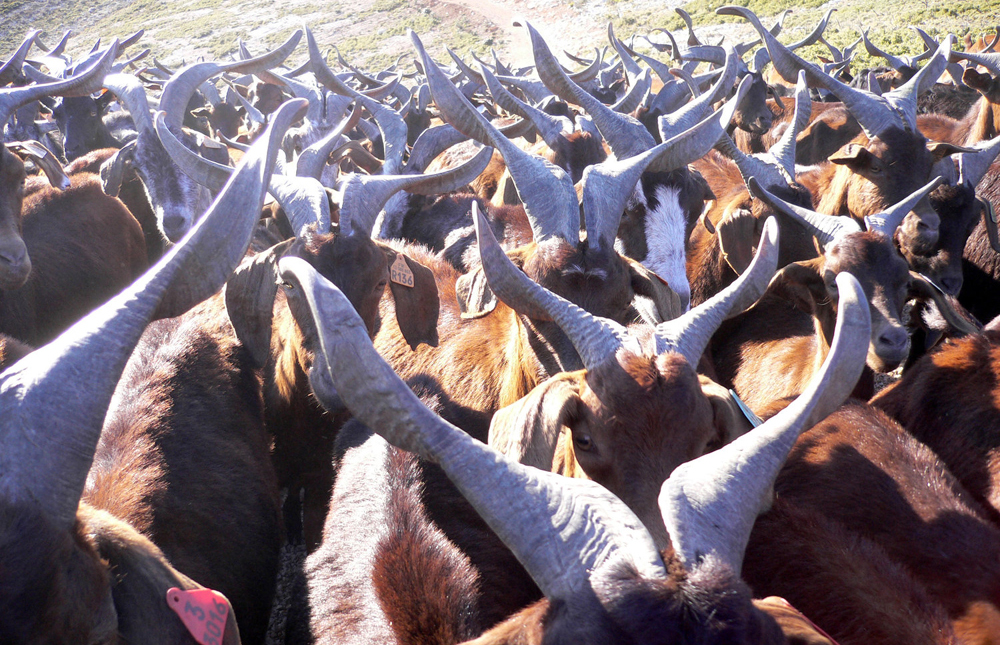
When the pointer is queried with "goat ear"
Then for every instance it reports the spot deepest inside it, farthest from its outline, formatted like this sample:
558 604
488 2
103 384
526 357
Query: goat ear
801 284
953 313
939 150
528 430
796 627
729 420
475 298
141 576
249 294
202 112
506 193
976 80
655 301
737 230
417 305
113 170
854 155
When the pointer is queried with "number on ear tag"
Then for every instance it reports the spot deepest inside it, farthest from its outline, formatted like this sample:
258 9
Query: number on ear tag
203 612
400 272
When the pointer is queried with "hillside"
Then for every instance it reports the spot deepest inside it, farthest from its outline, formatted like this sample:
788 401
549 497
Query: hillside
372 33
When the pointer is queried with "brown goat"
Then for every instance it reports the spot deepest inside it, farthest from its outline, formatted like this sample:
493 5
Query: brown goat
946 401
981 122
860 469
80 248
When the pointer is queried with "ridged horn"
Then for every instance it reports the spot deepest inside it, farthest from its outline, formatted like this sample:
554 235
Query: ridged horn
709 505
432 142
686 17
11 68
393 130
689 334
636 94
815 34
55 400
889 220
552 128
972 166
546 190
694 111
365 195
626 136
595 339
825 228
989 61
86 82
312 160
561 529
632 69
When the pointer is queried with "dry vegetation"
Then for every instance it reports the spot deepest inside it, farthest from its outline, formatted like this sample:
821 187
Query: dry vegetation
371 33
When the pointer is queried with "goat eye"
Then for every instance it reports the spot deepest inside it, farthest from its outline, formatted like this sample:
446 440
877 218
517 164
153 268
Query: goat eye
583 442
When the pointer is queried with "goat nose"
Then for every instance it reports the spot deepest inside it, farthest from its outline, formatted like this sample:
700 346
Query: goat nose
893 339
174 227
951 284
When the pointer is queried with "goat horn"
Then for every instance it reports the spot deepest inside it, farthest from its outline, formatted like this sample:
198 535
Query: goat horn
626 136
52 420
710 504
632 69
126 42
686 17
904 99
365 195
595 339
608 185
694 111
889 220
873 113
546 190
313 159
825 228
635 95
553 129
86 82
432 142
689 334
590 72
561 529
10 70
253 113
132 95
60 46
895 62
302 198
989 61
393 130
534 91
323 73
815 35
972 166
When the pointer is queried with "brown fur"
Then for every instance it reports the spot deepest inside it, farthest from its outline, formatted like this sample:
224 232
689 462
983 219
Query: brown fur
84 247
949 400
862 470
841 580
981 123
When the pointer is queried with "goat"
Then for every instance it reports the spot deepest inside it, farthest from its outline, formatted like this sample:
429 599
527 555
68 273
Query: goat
617 589
980 123
78 573
861 470
81 120
778 338
981 256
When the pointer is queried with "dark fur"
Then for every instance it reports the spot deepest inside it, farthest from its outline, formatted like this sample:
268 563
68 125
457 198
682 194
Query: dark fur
980 122
980 263
81 121
84 247
861 469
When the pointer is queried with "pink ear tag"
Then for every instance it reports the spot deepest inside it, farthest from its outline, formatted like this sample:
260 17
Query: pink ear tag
203 612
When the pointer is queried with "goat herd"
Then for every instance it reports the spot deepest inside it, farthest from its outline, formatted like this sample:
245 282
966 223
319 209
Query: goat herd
548 429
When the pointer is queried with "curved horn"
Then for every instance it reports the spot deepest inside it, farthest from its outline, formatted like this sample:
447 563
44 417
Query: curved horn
783 150
671 124
904 99
635 95
86 82
626 136
561 529
546 190
686 17
815 35
51 421
825 228
989 61
889 220
595 339
972 166
689 334
11 69
313 159
632 69
365 195
895 62
132 95
874 113
709 505
393 130
432 142
323 73
552 128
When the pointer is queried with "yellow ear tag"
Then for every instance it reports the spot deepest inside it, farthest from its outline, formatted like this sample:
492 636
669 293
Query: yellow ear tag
400 272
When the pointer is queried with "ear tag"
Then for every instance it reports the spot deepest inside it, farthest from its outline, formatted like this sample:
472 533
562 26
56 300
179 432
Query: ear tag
203 612
754 420
400 272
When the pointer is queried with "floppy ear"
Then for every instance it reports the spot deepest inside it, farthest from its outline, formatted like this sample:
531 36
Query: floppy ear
113 170
249 295
141 576
976 80
44 159
528 430
475 298
655 301
798 629
939 150
730 422
854 155
416 295
736 238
